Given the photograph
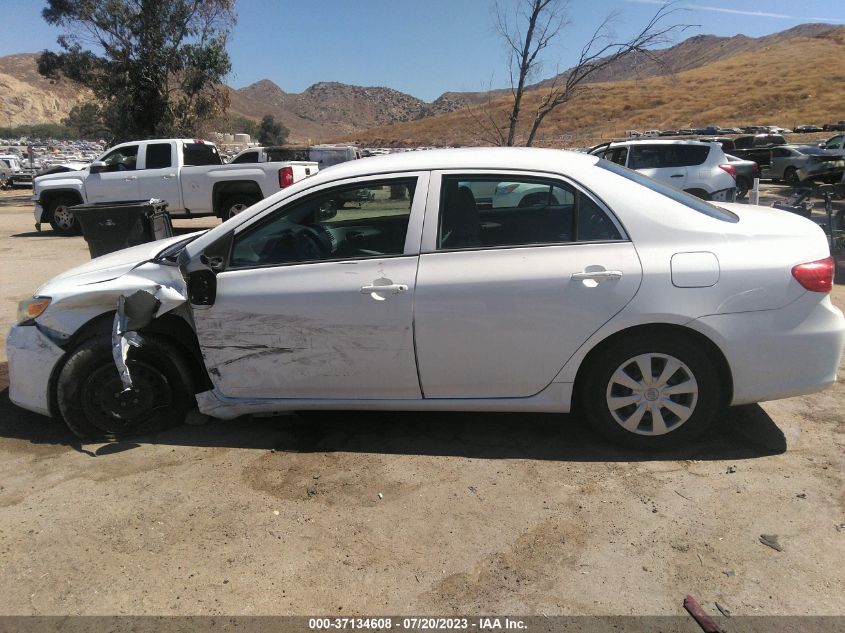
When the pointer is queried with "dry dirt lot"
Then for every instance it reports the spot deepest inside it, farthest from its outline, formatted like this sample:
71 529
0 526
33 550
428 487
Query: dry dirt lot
411 513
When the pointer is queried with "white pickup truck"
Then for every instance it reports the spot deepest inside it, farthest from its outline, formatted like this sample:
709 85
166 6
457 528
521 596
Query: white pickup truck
187 174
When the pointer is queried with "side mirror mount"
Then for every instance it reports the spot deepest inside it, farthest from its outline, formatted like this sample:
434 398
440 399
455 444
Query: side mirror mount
97 167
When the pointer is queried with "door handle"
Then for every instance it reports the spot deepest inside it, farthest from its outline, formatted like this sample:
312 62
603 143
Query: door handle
168 176
598 275
393 289
676 176
130 178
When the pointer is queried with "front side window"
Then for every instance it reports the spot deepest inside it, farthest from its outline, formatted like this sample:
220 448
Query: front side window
350 222
489 212
121 159
158 156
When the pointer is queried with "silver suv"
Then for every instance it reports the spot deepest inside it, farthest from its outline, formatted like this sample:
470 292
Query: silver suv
697 167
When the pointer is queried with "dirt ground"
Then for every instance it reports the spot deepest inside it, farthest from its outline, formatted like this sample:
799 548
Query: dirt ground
411 513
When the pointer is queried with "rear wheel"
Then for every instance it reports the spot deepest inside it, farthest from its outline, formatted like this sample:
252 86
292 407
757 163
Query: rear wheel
742 187
651 392
790 175
93 403
235 204
60 216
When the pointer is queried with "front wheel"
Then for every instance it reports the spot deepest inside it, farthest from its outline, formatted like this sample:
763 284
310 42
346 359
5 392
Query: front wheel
651 392
790 175
742 187
93 403
60 216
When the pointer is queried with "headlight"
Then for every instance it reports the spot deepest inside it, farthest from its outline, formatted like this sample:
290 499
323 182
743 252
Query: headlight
31 309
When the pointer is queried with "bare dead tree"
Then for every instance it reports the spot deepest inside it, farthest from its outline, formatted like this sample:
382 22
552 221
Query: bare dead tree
536 25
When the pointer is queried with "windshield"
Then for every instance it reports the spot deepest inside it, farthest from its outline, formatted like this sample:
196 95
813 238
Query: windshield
171 253
696 204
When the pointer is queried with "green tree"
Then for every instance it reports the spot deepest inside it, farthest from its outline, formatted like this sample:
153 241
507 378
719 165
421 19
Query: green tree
155 66
86 121
270 132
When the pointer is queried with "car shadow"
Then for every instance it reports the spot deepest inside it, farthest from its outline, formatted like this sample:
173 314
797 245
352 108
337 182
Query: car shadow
741 433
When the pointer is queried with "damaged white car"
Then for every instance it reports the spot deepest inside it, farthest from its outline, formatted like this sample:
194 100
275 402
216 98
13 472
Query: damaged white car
386 284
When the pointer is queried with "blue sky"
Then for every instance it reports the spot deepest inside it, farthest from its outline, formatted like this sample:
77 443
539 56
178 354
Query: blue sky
423 47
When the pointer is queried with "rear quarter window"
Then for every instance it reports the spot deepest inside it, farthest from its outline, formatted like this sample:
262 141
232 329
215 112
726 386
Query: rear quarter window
696 204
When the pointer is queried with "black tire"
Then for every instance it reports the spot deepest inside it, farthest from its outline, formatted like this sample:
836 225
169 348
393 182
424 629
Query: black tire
89 390
598 385
790 175
698 193
233 205
60 218
742 187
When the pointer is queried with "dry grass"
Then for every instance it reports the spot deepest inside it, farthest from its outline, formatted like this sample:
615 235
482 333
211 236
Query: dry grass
800 81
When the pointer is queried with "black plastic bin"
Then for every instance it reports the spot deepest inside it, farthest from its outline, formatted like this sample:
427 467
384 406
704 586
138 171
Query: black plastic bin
111 226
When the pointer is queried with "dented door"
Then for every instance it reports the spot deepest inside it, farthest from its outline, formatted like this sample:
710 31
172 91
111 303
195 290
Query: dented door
339 328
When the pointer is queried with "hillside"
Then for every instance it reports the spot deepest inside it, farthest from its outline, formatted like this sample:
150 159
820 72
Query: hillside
752 80
26 97
772 84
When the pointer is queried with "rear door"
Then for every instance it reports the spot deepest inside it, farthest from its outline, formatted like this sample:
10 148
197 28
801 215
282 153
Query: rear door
658 162
157 174
505 295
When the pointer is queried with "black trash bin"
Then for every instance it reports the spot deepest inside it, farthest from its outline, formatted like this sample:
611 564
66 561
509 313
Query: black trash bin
111 226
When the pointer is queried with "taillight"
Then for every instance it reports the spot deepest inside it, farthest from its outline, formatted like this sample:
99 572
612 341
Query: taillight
729 168
285 177
816 276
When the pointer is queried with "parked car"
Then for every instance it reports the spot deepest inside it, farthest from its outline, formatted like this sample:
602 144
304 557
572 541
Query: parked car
19 175
834 142
696 167
746 172
756 147
799 163
803 129
187 174
839 125
649 307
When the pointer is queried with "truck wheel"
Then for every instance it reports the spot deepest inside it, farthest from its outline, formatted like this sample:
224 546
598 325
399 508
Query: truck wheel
61 217
90 393
791 176
235 204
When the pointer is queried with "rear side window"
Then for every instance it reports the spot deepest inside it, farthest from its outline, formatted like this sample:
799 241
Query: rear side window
198 154
696 204
248 157
489 212
655 156
158 156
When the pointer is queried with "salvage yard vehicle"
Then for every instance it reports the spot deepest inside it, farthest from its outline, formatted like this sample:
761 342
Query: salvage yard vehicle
188 174
19 176
697 167
644 308
746 172
799 163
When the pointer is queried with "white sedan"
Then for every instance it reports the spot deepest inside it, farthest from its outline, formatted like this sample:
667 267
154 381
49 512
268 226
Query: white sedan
647 307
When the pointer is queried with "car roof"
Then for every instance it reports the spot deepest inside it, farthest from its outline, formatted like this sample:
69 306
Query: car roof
506 158
662 142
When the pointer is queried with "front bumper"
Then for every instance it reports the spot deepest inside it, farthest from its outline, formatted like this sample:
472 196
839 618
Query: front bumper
39 213
32 359
780 353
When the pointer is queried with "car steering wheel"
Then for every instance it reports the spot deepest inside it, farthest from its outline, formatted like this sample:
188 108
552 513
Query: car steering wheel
311 244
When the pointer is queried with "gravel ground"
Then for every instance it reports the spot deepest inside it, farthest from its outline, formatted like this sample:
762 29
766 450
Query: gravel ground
411 513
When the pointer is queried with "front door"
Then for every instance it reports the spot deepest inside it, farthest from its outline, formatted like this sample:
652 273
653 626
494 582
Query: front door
118 181
508 291
317 297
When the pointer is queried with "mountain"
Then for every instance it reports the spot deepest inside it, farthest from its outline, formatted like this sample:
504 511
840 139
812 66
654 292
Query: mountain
26 97
331 110
788 80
